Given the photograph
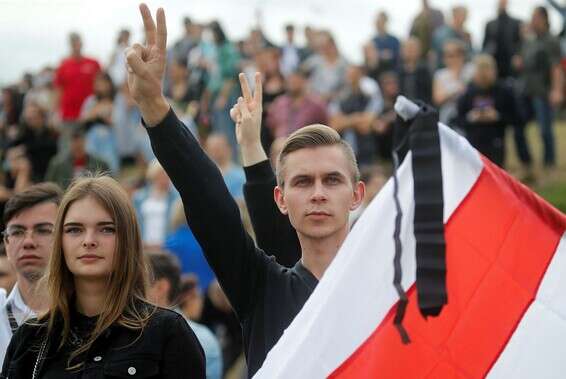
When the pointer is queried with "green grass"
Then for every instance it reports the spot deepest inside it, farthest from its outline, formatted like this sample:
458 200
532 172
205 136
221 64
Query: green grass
551 185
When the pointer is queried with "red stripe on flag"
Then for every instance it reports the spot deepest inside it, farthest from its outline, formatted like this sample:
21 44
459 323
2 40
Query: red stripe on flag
500 242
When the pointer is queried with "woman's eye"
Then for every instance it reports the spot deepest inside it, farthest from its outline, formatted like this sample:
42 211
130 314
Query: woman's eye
72 230
108 230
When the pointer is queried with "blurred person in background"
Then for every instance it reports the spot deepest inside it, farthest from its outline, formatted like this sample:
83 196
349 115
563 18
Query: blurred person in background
74 82
485 109
223 73
29 217
117 63
387 45
43 92
372 63
17 171
154 205
503 40
383 123
96 118
37 139
424 25
182 243
10 113
268 63
542 77
296 108
7 273
164 291
132 143
75 162
185 96
187 42
291 54
562 10
353 113
311 44
449 83
219 150
454 31
415 78
258 41
327 68
218 315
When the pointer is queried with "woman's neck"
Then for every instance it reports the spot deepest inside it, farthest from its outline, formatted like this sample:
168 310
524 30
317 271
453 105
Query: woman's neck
90 296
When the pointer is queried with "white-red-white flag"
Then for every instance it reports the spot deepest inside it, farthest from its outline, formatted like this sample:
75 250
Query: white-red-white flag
506 286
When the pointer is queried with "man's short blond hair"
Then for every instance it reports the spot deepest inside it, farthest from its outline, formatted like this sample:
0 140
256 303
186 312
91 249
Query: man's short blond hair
311 136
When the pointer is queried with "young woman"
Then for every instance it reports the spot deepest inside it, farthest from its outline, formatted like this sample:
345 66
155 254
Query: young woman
99 324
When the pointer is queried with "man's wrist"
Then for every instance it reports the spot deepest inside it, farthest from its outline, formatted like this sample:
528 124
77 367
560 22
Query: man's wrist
154 111
252 153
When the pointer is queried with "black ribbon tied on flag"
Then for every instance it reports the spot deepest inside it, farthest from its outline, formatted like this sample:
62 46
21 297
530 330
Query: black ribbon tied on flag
420 135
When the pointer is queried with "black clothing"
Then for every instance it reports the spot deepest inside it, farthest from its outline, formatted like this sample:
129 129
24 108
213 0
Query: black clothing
166 348
265 295
41 146
417 84
488 137
272 228
226 328
502 40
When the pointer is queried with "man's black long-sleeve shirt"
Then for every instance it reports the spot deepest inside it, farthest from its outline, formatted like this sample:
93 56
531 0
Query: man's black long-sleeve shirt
265 295
273 230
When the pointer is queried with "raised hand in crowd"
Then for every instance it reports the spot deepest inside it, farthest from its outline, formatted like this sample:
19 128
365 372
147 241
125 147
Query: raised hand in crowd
246 113
146 68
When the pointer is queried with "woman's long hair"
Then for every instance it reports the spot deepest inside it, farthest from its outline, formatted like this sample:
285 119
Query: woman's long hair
127 283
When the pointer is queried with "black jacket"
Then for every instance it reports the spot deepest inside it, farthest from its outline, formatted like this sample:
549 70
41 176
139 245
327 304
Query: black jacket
265 295
167 348
502 40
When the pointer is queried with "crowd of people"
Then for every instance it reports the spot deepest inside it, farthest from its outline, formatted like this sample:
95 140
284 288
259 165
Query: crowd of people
63 122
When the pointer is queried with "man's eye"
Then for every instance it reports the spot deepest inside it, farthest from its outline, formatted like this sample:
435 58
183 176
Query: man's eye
17 233
333 180
44 231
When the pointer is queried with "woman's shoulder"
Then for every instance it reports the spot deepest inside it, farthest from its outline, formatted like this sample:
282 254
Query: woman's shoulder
164 315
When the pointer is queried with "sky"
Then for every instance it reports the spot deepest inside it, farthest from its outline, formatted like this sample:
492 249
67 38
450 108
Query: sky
33 33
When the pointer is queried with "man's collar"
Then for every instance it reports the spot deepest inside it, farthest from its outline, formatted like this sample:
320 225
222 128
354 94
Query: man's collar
15 298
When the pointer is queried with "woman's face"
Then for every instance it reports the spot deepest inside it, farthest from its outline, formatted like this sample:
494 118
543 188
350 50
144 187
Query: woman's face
89 240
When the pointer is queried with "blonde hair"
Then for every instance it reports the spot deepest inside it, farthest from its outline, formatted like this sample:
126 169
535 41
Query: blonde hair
315 136
153 169
126 286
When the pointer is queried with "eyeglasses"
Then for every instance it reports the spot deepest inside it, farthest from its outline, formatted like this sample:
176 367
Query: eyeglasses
38 232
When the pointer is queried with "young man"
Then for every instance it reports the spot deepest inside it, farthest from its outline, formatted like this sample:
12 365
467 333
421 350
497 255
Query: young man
164 291
29 217
318 185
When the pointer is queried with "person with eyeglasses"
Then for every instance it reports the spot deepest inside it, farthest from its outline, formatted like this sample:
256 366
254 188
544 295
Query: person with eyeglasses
29 217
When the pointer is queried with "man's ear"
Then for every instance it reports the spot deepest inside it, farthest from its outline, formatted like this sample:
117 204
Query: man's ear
358 195
162 288
279 198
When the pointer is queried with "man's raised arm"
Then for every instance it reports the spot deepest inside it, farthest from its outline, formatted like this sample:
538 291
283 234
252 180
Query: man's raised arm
211 212
274 233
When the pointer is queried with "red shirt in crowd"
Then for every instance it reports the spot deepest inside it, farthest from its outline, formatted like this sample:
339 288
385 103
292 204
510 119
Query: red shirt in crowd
75 78
285 115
